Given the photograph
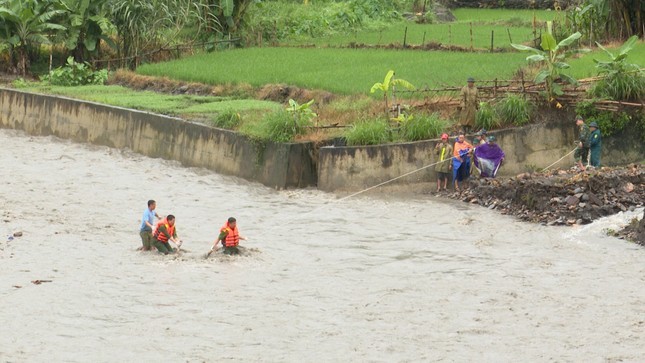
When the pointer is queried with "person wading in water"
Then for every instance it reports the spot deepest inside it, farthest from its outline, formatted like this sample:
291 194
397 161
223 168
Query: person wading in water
230 237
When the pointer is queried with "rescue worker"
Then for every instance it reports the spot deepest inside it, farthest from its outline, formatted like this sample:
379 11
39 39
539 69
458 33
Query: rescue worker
230 237
595 143
165 231
461 161
145 231
480 138
468 105
582 150
443 168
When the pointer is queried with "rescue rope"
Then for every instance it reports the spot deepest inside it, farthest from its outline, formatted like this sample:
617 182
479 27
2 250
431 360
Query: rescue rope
557 161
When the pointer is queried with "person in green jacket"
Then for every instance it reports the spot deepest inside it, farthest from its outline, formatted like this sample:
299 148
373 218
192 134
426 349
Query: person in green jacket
444 165
595 143
583 143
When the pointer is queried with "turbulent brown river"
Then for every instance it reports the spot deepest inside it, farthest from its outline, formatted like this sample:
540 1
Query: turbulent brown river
371 278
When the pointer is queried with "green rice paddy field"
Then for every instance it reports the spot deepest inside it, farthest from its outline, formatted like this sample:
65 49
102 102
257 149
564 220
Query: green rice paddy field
343 71
485 23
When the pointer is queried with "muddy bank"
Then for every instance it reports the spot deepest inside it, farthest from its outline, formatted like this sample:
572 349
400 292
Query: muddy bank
564 197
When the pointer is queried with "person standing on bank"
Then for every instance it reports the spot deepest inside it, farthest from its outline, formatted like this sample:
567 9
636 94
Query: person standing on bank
582 151
165 231
444 166
595 143
468 105
145 231
230 237
461 161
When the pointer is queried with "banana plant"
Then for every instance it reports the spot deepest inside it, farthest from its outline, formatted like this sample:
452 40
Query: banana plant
87 23
552 56
387 87
25 24
302 113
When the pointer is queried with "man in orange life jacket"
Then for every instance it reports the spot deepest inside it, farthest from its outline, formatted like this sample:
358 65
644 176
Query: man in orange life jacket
230 237
165 231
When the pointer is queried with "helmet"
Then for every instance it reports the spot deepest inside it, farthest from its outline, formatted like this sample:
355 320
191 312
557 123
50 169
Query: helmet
593 124
471 79
491 138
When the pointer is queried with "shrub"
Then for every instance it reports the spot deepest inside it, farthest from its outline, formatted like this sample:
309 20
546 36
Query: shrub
279 126
515 109
423 127
621 86
623 81
229 119
610 122
76 74
486 117
372 132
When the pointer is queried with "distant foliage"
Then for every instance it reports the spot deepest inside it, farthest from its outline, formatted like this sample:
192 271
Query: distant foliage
280 20
486 117
611 123
515 110
229 119
372 132
76 74
622 81
279 127
423 127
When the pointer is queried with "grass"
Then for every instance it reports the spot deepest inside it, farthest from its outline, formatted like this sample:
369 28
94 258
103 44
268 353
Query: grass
342 71
155 102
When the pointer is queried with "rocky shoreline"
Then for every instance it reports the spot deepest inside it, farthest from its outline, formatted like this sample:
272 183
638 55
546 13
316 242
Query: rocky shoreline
565 197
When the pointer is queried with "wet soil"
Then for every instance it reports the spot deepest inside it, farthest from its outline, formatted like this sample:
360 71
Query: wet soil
565 197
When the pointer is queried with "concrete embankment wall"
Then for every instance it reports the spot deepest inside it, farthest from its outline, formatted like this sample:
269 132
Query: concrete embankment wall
192 144
529 148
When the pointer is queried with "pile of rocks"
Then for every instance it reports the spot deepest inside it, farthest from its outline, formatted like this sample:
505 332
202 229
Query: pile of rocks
561 197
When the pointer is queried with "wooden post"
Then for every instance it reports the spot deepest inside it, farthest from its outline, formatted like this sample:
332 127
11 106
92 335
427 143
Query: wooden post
449 34
495 89
509 35
534 31
405 37
522 77
471 36
492 37
423 43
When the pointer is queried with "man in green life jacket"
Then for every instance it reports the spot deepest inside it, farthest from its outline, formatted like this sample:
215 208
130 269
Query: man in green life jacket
595 143
164 232
230 237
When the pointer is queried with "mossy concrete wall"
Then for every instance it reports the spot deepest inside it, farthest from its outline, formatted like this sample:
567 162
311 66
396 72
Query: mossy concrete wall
529 148
192 144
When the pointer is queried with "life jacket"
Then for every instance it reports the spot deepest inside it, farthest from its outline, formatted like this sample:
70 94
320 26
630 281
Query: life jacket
232 237
160 236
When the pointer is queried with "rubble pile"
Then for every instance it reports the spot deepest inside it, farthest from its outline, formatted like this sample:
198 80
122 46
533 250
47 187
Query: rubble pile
562 197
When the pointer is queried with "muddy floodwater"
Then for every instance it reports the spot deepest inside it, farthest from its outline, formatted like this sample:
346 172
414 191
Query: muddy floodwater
373 278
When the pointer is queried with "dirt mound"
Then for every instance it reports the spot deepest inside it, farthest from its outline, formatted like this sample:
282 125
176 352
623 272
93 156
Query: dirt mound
282 93
562 197
635 231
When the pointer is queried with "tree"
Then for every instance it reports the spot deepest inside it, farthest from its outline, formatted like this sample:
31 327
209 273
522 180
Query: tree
552 56
86 24
24 24
387 87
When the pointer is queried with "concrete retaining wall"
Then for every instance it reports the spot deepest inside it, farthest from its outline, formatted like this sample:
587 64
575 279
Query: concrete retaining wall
192 144
529 148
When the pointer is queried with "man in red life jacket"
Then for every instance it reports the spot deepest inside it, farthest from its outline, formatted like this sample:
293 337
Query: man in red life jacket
230 237
165 231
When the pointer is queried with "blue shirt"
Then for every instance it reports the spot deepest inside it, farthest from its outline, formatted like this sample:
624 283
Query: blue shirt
148 215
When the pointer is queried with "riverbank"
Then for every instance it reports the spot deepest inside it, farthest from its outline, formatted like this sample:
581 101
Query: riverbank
565 197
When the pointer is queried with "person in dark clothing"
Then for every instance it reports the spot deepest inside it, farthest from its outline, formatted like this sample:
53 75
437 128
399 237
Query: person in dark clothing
595 144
